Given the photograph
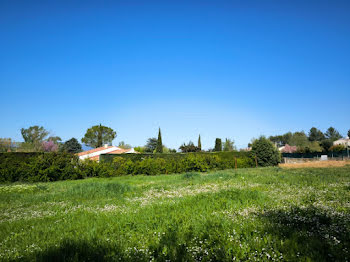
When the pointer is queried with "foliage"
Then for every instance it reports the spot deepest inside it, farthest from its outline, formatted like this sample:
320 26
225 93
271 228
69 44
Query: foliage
34 134
98 135
326 144
42 166
190 147
123 145
71 146
349 133
281 140
260 214
140 149
34 167
49 146
33 137
151 145
159 148
229 145
311 147
266 153
299 139
55 139
199 143
337 148
316 134
6 144
218 145
332 134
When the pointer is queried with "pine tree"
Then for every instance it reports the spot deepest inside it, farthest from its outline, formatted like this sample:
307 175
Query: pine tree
199 143
159 148
218 145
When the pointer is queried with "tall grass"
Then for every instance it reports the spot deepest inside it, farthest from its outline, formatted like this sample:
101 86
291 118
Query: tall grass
252 214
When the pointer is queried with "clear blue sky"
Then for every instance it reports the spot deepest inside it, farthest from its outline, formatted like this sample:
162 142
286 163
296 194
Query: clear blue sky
235 69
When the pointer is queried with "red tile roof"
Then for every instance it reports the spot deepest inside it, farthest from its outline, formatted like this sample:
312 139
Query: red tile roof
119 151
93 150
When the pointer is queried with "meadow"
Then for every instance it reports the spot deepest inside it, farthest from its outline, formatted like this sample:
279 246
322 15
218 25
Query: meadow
253 214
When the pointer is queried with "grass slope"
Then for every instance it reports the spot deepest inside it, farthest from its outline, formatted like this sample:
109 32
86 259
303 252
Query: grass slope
245 214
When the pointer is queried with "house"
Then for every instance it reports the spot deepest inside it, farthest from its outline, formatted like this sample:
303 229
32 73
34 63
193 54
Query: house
94 154
287 149
342 141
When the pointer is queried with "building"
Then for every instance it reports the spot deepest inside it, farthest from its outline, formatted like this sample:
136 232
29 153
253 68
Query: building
342 141
94 154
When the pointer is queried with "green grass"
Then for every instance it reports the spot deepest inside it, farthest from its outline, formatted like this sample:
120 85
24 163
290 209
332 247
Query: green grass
246 214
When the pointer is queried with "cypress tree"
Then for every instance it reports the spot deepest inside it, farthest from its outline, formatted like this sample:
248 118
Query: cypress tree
159 148
199 143
218 145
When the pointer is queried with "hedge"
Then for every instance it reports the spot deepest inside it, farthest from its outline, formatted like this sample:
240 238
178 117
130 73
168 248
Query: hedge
154 164
44 167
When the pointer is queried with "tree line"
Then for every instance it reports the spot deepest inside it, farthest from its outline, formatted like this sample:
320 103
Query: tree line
37 138
314 141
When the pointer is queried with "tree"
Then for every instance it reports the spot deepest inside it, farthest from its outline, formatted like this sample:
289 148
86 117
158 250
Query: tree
96 136
159 148
49 146
140 149
229 145
299 139
265 151
281 140
6 144
337 148
55 139
199 143
332 134
190 147
326 144
123 145
151 145
315 134
34 134
71 146
349 133
218 145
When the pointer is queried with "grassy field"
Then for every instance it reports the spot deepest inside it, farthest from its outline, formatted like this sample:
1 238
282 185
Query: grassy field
245 214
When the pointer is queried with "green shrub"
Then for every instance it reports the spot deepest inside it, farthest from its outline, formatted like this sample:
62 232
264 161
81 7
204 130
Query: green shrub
44 167
266 152
35 167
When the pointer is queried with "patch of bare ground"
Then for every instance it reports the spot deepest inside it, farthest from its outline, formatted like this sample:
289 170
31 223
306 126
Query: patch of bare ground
328 163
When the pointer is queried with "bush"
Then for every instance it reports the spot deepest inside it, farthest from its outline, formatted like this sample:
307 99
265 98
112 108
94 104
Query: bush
266 152
35 167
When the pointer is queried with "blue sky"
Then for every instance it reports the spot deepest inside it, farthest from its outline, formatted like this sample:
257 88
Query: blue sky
235 69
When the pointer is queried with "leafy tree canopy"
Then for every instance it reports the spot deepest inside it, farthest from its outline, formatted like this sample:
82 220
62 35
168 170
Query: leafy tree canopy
96 136
229 145
190 147
71 146
34 134
299 139
316 134
123 145
332 134
55 139
151 145
6 144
